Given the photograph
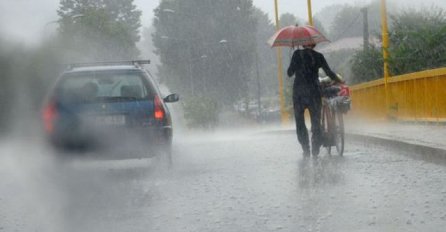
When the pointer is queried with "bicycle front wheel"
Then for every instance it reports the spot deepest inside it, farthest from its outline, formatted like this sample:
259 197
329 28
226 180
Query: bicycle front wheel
339 133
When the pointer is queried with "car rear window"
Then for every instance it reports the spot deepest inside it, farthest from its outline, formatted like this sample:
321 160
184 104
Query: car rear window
103 86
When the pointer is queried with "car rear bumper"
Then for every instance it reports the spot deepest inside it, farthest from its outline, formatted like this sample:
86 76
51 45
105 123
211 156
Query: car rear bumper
129 142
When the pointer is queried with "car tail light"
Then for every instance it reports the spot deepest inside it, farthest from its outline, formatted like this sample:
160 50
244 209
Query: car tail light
49 114
159 109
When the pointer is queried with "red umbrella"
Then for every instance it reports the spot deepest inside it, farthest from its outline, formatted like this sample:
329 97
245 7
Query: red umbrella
293 36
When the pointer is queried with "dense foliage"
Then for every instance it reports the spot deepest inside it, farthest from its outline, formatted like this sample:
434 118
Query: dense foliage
99 29
348 22
367 65
89 30
206 47
201 112
26 76
416 43
210 50
266 63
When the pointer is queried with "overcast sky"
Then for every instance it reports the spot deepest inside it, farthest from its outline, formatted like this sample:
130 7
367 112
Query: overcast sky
29 20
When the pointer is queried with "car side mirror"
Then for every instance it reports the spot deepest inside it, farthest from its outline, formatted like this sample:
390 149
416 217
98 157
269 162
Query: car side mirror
172 98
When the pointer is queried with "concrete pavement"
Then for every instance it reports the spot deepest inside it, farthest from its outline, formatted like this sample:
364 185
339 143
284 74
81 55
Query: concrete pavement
427 138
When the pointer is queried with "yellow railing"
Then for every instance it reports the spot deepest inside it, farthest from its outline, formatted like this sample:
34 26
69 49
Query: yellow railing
419 96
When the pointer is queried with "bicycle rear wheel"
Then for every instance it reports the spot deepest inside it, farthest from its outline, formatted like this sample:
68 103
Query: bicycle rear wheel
339 133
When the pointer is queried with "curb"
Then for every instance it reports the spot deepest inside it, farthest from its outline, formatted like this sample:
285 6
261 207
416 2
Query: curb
415 150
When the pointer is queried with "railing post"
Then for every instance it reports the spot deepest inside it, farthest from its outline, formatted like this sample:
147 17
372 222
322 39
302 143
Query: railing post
437 111
310 14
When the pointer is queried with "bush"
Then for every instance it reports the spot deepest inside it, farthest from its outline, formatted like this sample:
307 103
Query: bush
201 112
416 43
367 65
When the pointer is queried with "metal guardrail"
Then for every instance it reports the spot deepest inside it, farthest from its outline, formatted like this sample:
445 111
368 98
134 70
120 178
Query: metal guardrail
419 96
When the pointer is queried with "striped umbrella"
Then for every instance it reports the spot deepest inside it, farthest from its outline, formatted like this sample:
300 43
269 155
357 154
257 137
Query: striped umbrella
293 36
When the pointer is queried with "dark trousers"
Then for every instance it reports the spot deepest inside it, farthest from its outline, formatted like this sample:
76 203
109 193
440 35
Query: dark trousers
313 104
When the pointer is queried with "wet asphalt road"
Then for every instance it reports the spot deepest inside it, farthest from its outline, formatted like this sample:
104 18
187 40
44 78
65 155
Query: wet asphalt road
224 182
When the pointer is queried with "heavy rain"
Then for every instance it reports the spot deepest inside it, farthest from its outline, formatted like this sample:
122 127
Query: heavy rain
222 115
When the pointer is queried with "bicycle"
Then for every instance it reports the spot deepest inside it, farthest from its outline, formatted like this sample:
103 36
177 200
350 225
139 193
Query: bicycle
335 102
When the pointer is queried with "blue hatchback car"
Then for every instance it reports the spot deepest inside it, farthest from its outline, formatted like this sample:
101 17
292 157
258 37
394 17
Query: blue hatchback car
114 106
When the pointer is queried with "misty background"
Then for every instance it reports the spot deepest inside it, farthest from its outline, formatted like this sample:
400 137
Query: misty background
24 20
214 55
218 64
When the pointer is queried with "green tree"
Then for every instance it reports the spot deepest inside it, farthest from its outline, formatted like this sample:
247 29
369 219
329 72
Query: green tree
99 29
194 108
266 57
367 65
327 14
418 41
6 88
146 45
27 73
348 21
206 47
319 26
288 19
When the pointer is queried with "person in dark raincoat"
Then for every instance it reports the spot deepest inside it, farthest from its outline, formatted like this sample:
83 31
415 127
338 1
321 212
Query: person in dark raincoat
307 94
